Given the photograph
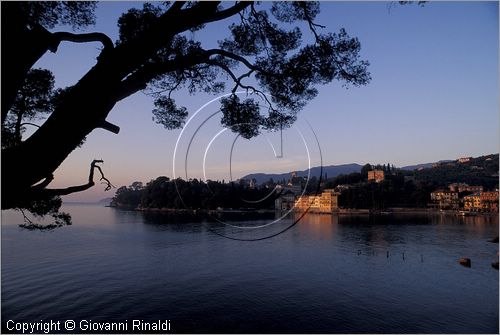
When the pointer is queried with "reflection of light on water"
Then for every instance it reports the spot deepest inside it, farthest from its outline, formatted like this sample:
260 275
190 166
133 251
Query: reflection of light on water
333 269
321 226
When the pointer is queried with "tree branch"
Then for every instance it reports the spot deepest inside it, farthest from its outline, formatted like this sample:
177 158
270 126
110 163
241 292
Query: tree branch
211 52
109 127
27 220
312 25
80 38
44 183
176 6
244 75
237 81
174 21
228 12
79 188
139 79
169 89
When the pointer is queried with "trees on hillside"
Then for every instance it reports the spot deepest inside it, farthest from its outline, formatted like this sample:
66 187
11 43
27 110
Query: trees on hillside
264 52
193 194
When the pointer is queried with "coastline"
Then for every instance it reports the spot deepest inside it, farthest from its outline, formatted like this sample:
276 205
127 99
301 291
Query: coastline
340 211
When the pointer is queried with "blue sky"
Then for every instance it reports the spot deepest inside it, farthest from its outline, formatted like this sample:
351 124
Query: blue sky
434 95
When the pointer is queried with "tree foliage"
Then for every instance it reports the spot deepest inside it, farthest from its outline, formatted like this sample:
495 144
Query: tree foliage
33 100
392 192
48 14
276 51
478 171
193 194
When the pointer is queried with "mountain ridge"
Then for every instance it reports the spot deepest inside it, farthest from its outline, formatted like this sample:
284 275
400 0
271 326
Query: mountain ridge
331 171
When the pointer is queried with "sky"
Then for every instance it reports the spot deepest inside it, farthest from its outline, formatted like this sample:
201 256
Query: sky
433 96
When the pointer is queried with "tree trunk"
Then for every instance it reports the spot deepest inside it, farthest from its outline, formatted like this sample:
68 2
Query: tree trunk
83 109
86 105
23 48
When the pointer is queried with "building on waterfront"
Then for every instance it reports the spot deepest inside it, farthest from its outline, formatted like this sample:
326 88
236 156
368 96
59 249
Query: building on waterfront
445 199
472 202
286 201
303 202
489 201
327 202
376 175
462 187
481 202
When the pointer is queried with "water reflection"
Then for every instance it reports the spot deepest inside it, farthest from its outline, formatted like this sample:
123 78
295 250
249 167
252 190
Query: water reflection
331 274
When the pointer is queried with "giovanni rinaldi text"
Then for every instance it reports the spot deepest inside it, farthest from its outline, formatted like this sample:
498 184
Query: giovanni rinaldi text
51 326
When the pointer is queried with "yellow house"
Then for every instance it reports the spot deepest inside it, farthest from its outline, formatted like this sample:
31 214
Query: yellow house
483 201
327 202
472 202
489 201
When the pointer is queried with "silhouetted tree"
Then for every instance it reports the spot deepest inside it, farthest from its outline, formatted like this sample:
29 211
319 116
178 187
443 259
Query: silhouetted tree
25 37
33 99
193 194
154 52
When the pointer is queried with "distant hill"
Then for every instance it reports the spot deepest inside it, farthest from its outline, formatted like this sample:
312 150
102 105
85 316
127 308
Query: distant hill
331 171
478 169
423 165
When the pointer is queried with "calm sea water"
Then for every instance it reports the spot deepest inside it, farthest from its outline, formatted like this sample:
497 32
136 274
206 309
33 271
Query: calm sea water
394 274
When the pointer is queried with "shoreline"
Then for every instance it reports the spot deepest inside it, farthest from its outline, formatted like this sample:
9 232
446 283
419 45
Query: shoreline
340 211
